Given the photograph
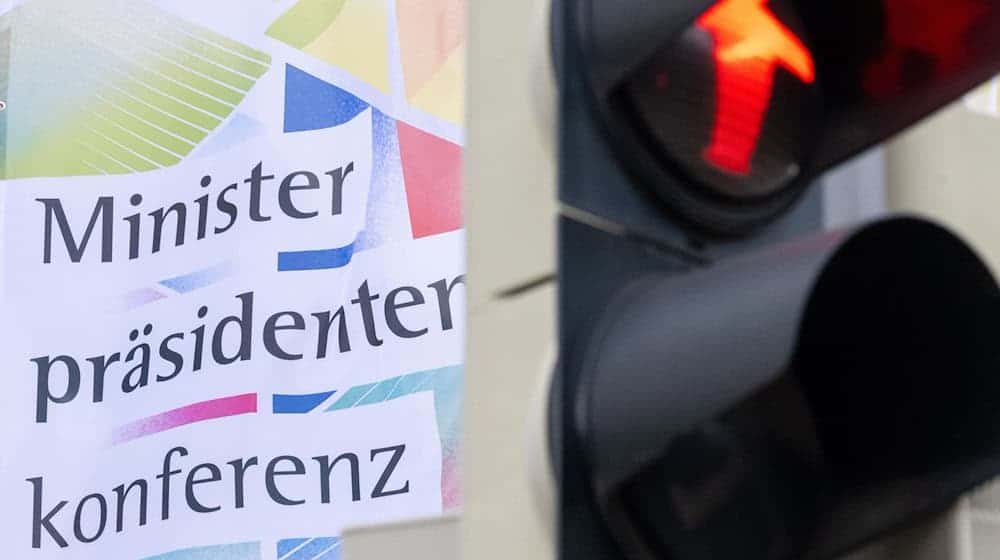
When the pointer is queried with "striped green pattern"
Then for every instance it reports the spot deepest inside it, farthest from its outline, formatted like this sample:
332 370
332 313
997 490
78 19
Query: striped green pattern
305 21
447 380
4 73
154 86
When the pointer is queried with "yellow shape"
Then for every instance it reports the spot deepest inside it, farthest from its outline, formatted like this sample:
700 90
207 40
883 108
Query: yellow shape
358 42
429 32
444 95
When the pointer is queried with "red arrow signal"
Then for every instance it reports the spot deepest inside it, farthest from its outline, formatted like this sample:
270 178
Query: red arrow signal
750 43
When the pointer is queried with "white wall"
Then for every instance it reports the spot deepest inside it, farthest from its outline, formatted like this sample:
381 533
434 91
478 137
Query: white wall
948 169
510 217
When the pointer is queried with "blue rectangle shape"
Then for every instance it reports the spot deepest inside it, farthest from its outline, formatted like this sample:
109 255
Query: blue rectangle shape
242 551
199 278
298 404
315 260
287 545
331 554
314 548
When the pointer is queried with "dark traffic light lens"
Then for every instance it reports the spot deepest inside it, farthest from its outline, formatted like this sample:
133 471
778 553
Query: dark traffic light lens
732 102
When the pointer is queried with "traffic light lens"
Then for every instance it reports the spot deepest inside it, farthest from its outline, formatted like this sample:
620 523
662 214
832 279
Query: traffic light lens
749 44
929 30
732 100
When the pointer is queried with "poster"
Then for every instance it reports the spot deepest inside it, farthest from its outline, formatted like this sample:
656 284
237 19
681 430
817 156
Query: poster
232 289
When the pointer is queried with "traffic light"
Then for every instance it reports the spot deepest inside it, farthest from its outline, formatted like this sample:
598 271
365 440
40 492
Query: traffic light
732 382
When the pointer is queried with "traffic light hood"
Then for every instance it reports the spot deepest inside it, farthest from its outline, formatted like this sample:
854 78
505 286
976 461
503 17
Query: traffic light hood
809 398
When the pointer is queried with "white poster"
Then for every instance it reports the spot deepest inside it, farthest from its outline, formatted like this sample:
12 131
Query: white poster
232 274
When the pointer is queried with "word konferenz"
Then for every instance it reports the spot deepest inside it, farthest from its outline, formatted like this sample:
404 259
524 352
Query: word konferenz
338 478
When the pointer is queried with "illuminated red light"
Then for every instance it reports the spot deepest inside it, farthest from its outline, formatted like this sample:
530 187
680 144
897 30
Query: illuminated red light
750 42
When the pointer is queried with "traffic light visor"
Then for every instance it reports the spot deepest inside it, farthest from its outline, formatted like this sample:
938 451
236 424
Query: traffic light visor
772 399
728 109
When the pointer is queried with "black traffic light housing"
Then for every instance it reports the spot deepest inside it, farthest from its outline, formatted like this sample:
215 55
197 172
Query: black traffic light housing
802 399
731 384
875 67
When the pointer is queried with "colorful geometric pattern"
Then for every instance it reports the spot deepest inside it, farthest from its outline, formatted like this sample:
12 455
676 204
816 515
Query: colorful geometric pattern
428 167
321 548
432 171
177 285
387 218
242 551
200 278
320 259
432 48
353 35
147 87
190 414
4 81
445 383
313 104
350 34
298 404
